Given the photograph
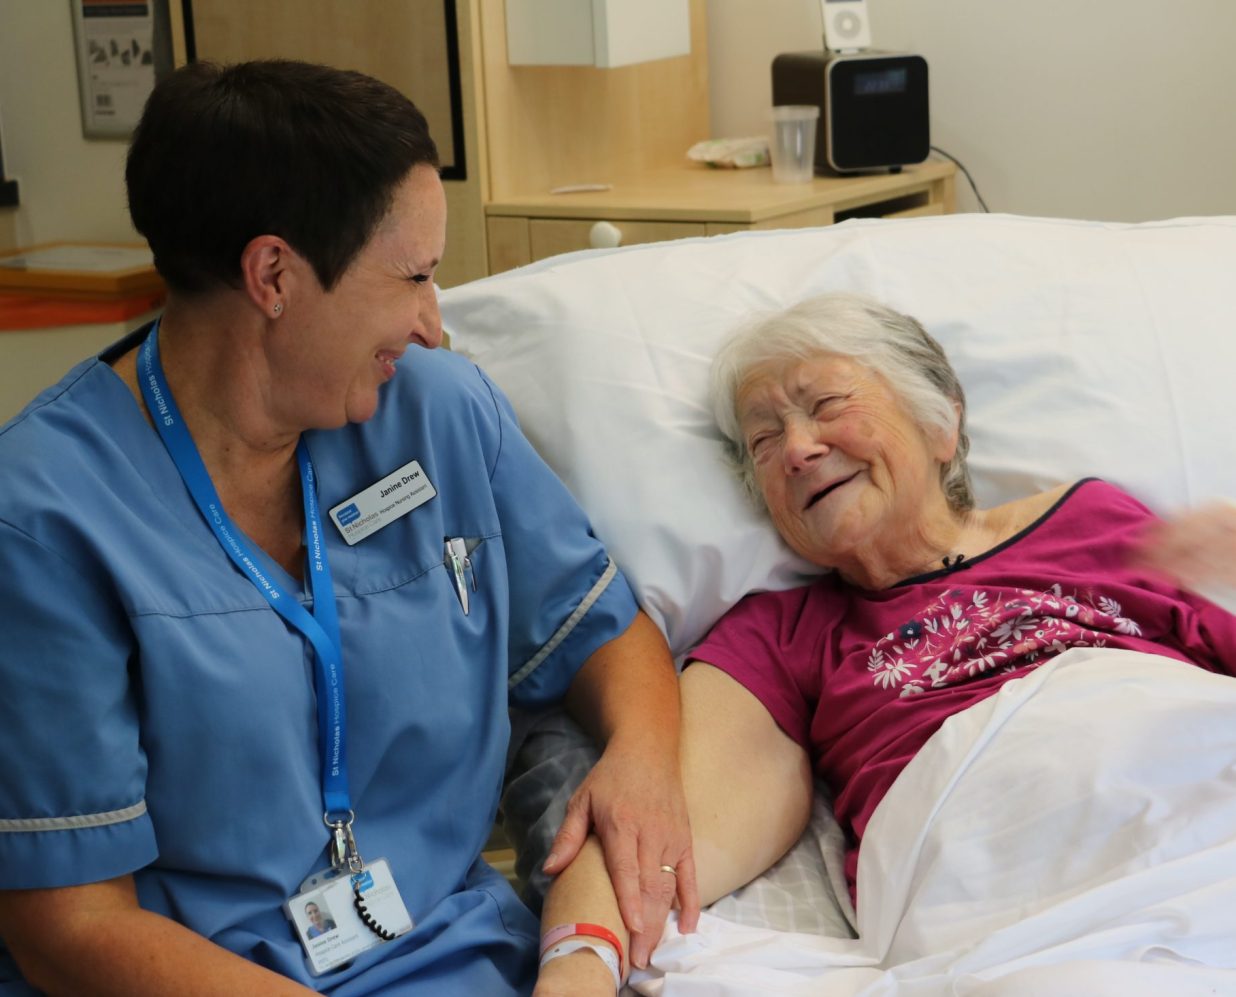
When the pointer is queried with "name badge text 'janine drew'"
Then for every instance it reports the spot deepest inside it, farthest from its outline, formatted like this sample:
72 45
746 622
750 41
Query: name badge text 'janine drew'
382 502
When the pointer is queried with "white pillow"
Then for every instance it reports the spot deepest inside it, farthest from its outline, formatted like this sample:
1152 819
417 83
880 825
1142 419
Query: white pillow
1084 348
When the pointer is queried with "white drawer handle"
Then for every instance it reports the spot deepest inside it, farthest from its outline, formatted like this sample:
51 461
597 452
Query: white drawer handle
604 235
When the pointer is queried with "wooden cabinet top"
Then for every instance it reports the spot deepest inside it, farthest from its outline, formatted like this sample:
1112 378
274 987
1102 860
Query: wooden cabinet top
698 193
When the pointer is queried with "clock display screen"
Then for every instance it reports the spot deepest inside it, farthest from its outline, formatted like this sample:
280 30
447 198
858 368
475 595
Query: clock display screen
882 81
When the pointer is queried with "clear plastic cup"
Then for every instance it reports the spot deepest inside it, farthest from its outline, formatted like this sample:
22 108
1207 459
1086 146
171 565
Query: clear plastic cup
792 144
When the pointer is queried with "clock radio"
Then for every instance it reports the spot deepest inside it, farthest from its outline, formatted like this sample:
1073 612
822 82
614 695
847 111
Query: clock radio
873 106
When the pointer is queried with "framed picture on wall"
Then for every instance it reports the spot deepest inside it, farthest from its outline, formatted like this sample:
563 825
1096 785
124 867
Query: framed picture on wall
411 44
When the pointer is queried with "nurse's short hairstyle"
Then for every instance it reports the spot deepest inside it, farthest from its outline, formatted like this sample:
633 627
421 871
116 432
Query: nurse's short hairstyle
223 154
891 344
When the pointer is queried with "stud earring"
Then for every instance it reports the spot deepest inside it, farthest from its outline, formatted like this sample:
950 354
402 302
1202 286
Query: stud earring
278 307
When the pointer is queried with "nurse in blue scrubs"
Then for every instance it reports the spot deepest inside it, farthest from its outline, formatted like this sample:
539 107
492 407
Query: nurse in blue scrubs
274 569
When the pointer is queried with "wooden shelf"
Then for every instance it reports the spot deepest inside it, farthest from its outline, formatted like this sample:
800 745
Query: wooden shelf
80 271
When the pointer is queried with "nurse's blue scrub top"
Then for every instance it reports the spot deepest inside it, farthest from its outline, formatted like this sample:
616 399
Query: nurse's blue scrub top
159 718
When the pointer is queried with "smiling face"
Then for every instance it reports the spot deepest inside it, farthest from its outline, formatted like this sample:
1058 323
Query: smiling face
337 348
847 474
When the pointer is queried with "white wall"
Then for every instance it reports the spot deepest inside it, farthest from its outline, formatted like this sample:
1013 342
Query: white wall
1106 109
70 187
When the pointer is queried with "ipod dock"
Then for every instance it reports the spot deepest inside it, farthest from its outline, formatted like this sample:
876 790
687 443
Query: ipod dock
873 107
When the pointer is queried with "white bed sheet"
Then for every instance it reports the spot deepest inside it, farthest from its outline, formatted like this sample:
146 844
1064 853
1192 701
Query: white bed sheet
1073 834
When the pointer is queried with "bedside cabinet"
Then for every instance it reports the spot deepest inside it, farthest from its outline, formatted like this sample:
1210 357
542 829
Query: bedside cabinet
696 201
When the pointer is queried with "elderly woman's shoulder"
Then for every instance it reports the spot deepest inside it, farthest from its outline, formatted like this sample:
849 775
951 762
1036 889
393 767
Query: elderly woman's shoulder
1019 513
1092 494
826 594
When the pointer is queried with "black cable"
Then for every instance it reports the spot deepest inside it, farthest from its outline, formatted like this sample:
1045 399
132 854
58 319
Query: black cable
961 166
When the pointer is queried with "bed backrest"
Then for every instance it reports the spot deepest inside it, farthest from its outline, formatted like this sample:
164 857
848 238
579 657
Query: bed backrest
1084 348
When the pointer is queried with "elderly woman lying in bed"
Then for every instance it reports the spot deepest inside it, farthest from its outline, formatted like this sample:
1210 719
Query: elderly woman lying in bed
848 421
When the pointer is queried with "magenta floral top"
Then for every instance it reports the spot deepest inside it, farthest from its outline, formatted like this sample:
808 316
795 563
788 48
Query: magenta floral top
862 679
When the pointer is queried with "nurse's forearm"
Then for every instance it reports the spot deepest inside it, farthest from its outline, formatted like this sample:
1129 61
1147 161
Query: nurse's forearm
96 940
628 690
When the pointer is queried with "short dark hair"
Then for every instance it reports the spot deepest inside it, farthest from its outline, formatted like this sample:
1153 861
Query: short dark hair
309 153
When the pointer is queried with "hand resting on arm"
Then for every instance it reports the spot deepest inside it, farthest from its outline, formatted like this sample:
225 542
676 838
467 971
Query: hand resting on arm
626 696
748 788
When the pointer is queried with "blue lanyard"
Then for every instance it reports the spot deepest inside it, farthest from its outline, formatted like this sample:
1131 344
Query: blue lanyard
321 628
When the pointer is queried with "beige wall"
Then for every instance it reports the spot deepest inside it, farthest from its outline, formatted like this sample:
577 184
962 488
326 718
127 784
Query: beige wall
1107 109
1057 107
70 187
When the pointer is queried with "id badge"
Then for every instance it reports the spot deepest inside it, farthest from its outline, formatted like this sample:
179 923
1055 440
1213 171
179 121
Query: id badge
337 917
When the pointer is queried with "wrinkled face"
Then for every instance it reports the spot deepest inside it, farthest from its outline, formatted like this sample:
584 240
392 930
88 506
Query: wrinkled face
842 466
338 347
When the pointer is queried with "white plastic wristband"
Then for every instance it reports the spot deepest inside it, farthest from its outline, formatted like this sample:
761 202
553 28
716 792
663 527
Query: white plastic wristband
607 955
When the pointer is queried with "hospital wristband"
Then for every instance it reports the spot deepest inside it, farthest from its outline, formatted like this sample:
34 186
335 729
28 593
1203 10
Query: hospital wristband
606 954
555 935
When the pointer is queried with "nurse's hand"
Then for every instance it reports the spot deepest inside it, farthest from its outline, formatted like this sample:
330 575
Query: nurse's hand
634 803
580 974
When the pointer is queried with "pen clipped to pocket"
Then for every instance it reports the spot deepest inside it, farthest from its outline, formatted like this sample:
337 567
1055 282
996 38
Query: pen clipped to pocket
458 562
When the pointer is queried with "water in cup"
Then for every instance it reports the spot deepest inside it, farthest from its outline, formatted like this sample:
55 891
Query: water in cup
792 145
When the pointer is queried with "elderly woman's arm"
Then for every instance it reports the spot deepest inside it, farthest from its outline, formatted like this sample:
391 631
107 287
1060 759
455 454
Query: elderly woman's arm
748 784
748 790
95 939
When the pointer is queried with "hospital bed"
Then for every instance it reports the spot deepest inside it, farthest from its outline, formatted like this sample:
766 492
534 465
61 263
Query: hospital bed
1085 349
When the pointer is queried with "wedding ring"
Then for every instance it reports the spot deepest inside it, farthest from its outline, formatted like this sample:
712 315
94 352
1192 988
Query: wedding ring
670 869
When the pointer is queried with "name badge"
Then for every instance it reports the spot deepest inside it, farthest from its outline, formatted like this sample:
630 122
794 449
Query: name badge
338 918
382 503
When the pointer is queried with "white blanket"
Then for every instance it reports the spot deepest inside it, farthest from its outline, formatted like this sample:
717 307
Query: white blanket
1074 834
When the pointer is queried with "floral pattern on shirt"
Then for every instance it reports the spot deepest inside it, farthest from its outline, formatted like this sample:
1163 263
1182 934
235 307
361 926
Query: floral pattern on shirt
969 632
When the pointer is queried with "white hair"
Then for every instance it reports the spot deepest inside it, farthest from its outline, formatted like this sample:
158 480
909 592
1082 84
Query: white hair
884 341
